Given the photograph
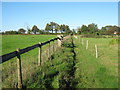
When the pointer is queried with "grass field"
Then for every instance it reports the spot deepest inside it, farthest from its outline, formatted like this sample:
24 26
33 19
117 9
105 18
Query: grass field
12 42
29 60
71 66
101 72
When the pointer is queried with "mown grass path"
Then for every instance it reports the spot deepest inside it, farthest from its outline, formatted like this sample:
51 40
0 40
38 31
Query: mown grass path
95 72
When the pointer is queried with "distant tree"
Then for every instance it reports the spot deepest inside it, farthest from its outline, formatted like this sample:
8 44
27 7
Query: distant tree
62 28
92 28
21 30
42 32
113 28
28 30
2 32
84 29
73 30
52 26
109 30
12 32
102 31
67 29
35 29
47 28
79 30
57 27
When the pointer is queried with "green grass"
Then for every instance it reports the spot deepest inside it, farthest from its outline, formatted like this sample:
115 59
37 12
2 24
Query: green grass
12 42
55 73
29 59
71 66
89 73
101 72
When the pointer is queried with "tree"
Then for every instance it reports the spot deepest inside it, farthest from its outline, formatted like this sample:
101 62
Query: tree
21 30
62 28
52 26
79 30
41 32
67 29
28 30
57 27
102 30
92 28
84 29
109 29
73 30
12 32
35 29
47 28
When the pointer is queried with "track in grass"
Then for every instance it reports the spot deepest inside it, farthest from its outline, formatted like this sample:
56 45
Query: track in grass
72 66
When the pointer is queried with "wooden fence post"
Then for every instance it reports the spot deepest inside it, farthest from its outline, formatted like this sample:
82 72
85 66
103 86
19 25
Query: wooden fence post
56 44
96 51
40 55
59 41
53 46
49 51
82 42
87 44
19 69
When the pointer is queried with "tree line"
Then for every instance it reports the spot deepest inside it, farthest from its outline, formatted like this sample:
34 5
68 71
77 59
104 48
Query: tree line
54 28
50 28
93 29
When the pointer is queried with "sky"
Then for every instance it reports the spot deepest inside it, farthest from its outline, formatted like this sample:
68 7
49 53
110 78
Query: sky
60 0
17 15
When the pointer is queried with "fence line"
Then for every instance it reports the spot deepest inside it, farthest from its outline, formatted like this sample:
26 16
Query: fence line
18 53
11 55
87 44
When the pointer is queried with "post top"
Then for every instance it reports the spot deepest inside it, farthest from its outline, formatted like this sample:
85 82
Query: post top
18 49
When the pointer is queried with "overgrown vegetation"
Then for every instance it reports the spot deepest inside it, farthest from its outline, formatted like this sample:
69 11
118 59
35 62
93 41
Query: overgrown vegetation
57 72
72 66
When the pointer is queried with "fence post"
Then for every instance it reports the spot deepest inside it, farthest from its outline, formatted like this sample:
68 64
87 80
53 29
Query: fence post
96 51
87 44
49 51
82 42
59 41
53 46
40 55
19 69
56 45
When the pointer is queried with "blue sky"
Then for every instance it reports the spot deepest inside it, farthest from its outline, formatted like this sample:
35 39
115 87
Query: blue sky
17 15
